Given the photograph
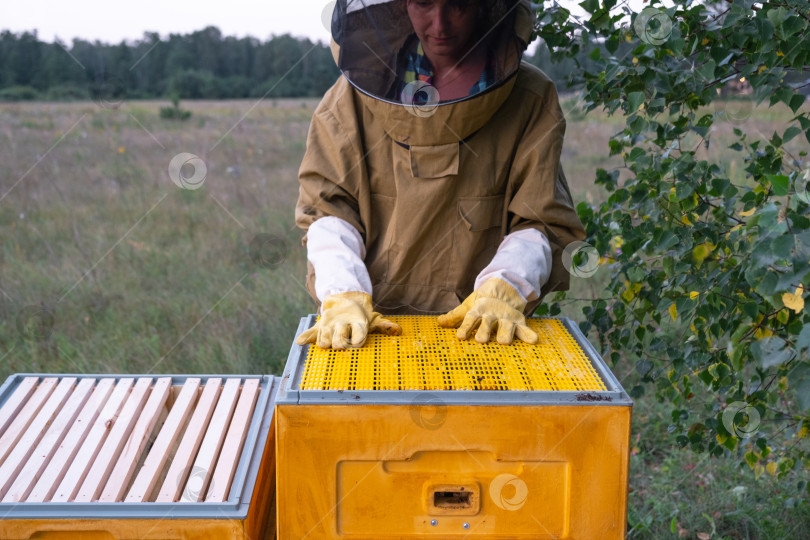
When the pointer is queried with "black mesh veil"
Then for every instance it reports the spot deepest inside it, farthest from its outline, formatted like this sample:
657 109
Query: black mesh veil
377 39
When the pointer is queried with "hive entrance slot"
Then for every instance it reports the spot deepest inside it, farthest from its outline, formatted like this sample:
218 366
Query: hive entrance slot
452 499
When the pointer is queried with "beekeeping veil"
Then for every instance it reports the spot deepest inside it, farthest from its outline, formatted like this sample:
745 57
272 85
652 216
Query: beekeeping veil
369 38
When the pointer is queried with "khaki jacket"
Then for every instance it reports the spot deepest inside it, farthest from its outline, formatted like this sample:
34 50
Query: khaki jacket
434 196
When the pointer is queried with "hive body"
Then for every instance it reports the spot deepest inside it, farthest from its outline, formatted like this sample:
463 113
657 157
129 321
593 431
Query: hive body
106 456
423 435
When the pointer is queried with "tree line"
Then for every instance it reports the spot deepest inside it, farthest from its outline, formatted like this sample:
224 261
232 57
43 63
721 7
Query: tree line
200 65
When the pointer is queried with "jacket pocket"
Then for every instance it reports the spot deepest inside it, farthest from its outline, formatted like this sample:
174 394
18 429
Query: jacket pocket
475 239
481 213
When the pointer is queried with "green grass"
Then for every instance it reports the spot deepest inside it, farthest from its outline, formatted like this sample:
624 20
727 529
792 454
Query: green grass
141 276
693 493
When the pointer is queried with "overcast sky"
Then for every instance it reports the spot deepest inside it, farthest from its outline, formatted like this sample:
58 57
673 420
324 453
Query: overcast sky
111 22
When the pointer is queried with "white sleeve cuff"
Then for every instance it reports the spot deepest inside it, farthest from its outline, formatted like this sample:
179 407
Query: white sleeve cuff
523 260
336 251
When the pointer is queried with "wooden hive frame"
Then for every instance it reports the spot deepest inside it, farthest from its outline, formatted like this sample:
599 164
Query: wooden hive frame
78 446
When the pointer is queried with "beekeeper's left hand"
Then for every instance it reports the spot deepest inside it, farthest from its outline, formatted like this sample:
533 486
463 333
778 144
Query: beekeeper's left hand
495 303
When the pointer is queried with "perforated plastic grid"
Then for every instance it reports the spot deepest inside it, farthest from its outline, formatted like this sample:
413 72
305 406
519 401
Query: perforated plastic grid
428 357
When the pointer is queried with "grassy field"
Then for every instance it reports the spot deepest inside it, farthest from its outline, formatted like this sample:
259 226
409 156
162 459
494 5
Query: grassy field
106 266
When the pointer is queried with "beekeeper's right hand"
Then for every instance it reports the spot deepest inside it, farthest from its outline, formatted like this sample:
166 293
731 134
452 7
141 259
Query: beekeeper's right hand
345 322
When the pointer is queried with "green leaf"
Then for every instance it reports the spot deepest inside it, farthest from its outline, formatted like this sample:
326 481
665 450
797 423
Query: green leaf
777 16
637 125
799 381
684 190
643 367
751 309
783 245
634 99
610 72
791 132
796 102
591 6
784 94
771 352
725 60
706 71
780 183
803 341
793 25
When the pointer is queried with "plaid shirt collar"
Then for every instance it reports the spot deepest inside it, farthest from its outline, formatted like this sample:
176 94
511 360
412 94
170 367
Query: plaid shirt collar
418 68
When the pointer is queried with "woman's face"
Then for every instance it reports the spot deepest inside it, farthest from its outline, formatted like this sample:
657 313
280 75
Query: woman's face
445 27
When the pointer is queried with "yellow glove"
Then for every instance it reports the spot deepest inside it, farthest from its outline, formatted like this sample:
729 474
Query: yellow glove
493 303
346 320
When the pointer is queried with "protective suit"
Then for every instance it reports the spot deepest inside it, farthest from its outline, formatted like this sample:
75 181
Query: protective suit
419 200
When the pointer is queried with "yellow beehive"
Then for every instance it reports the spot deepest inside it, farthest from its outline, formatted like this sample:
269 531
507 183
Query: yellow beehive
136 457
424 435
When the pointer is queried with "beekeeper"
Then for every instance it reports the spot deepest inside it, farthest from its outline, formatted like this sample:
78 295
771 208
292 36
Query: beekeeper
431 180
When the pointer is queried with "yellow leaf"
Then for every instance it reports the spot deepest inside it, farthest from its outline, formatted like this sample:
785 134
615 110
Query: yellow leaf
762 333
794 301
627 37
803 432
780 53
748 212
673 312
701 251
721 438
771 468
685 220
693 295
692 327
761 69
630 291
705 41
635 60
